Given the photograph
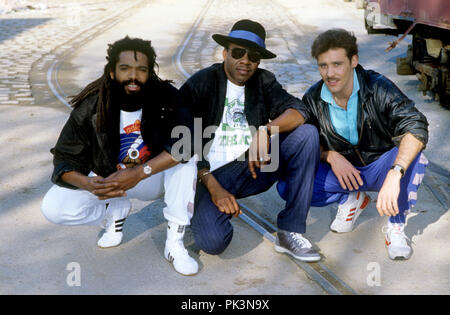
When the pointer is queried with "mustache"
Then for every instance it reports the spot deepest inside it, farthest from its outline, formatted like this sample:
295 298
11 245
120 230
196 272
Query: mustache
136 82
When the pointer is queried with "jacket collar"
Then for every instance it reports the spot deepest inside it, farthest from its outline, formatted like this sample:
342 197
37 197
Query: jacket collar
365 88
251 87
220 95
326 95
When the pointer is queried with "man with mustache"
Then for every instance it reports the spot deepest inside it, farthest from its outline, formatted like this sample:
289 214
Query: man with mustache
371 137
248 104
116 146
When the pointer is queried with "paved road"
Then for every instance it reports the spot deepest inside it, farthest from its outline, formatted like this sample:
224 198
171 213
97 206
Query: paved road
34 254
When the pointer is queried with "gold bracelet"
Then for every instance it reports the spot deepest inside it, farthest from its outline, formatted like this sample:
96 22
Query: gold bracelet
204 174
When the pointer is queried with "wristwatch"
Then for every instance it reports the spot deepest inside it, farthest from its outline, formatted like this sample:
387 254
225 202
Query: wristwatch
147 169
399 168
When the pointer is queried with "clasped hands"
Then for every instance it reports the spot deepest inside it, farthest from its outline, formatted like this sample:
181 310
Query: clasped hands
115 185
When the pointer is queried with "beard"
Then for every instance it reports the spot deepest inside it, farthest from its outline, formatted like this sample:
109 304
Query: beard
129 101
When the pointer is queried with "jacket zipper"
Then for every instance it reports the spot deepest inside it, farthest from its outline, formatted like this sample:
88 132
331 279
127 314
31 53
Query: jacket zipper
360 136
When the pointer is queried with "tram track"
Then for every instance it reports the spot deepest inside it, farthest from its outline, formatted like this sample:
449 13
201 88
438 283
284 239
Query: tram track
318 272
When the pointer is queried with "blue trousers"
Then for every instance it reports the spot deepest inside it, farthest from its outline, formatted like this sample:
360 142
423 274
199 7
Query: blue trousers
327 189
299 155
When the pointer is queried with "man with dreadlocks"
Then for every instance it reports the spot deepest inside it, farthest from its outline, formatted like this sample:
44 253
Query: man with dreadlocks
116 146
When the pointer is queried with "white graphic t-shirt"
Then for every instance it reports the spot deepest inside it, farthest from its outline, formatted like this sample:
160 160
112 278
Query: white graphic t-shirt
233 136
133 150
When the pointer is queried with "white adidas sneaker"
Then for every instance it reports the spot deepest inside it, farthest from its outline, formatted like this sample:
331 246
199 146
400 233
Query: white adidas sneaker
113 234
117 212
175 252
396 241
349 211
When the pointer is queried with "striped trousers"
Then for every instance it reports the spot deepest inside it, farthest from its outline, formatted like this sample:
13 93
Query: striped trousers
327 189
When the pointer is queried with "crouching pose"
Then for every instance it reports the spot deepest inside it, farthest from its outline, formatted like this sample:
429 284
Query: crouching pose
248 105
371 137
115 146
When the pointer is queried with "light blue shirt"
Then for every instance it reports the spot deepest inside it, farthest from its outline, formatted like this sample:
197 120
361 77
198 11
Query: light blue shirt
345 122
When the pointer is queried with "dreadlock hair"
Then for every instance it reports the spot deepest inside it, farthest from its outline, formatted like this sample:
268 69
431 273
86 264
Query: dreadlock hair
102 85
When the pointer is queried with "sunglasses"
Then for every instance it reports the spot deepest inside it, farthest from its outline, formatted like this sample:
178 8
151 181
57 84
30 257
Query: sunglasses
238 53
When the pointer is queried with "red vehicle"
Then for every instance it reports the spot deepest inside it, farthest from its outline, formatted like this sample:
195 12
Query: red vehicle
428 21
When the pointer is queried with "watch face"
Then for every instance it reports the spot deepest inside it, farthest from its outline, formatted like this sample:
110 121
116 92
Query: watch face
399 169
147 170
133 153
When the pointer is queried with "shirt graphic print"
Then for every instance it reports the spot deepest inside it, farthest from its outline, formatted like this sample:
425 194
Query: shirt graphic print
133 150
233 137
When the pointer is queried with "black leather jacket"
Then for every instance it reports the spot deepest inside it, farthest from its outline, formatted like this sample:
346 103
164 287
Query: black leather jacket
385 114
81 148
204 94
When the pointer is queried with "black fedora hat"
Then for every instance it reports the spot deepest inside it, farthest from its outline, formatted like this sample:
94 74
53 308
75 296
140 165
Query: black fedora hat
248 34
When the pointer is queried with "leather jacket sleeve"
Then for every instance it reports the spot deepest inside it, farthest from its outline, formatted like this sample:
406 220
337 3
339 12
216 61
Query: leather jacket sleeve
72 151
193 105
402 115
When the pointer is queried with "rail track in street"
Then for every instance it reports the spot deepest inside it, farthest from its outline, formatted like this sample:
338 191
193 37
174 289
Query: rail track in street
318 272
292 67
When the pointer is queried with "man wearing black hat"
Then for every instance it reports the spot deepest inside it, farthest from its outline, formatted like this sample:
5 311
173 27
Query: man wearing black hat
248 105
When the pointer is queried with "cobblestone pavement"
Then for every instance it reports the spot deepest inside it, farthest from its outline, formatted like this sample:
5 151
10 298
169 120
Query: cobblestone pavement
285 35
27 36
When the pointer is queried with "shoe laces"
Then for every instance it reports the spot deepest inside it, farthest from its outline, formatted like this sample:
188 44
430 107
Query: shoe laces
340 214
300 240
396 232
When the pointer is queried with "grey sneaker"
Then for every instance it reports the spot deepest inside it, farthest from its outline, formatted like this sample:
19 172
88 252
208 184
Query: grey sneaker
295 245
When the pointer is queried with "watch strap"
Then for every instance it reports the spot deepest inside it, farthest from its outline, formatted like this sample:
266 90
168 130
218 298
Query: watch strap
398 167
147 169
